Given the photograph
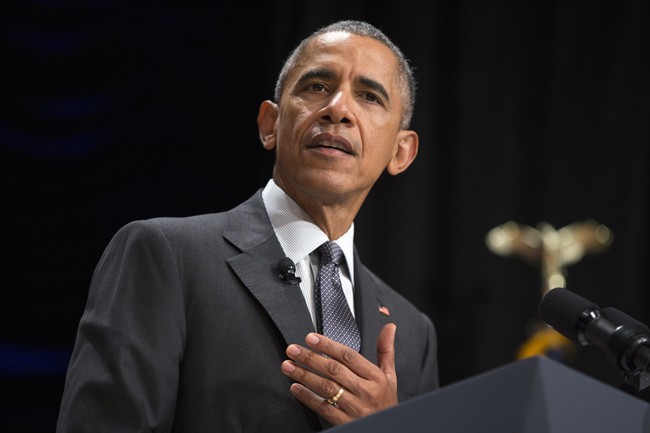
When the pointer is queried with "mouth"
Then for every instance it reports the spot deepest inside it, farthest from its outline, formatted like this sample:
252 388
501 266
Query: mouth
331 143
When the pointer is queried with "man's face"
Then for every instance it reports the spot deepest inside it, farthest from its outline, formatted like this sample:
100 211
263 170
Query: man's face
337 125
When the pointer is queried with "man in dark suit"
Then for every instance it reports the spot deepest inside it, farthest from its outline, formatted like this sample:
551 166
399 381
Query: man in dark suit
189 325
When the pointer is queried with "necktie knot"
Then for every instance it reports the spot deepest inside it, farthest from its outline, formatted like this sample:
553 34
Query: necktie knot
330 252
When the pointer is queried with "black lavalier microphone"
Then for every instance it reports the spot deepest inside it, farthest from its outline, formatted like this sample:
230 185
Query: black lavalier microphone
287 271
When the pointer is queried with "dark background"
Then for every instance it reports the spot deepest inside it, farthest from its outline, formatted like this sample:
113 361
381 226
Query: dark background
527 111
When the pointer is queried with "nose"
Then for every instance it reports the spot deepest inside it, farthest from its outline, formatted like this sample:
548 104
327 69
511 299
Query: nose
338 109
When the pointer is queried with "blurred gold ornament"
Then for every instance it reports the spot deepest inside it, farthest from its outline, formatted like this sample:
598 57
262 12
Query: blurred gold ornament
553 250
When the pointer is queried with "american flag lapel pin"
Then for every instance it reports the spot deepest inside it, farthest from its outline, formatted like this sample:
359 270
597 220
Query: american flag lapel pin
384 310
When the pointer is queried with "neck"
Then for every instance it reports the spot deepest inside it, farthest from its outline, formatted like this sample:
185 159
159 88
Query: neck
333 214
333 219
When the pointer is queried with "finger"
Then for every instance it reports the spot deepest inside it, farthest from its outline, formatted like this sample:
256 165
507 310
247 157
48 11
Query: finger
348 357
322 375
334 414
314 390
386 351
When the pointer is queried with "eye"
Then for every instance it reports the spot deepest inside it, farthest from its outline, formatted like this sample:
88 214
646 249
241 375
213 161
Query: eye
317 87
372 97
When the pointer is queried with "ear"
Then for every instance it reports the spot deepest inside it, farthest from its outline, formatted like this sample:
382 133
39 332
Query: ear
266 119
405 152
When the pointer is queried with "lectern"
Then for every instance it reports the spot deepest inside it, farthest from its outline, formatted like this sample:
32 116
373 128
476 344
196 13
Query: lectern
532 395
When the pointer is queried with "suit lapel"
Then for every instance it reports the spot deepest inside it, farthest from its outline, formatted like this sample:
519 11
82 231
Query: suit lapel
367 300
250 230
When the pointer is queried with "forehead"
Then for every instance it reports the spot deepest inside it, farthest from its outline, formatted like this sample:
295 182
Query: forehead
346 53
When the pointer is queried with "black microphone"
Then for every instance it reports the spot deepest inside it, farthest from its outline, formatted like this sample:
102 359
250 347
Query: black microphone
617 316
625 340
637 359
287 271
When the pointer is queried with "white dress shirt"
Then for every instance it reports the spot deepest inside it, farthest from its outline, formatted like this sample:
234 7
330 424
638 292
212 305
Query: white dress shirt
299 236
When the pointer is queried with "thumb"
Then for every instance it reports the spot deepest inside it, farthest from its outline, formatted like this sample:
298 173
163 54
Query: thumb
386 351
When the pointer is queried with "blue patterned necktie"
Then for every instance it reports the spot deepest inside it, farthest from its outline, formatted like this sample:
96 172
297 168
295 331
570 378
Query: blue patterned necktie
333 313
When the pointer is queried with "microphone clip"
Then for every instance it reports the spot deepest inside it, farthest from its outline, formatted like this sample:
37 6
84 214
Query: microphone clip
287 271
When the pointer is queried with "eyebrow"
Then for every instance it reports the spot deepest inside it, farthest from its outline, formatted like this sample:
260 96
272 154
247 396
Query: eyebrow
316 73
328 74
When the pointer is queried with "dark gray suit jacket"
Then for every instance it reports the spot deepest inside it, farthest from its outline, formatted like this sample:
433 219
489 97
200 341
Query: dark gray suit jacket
187 323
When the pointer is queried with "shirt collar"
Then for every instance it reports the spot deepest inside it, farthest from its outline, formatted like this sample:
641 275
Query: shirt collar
299 236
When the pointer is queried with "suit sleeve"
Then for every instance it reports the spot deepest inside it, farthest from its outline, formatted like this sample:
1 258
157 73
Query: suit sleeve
429 378
123 374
